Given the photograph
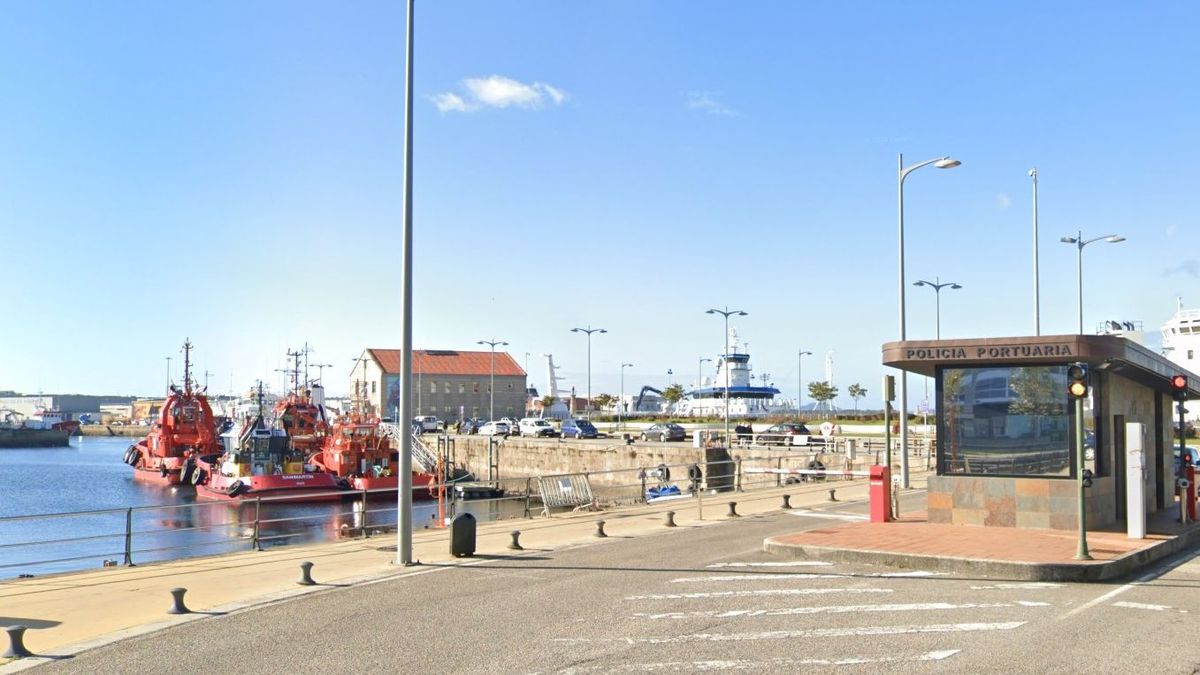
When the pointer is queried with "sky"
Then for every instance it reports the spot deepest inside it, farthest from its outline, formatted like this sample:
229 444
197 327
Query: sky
232 173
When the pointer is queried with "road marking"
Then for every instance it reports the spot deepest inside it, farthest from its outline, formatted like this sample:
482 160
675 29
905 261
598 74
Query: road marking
794 577
765 665
759 593
809 633
793 563
823 514
1142 605
1022 586
1162 570
833 609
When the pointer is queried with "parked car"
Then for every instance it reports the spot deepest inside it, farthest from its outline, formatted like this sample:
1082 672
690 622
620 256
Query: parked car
664 431
471 426
536 426
512 423
496 428
426 423
1193 455
578 429
781 434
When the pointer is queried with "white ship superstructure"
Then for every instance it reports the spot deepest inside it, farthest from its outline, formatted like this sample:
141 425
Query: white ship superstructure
1181 338
708 399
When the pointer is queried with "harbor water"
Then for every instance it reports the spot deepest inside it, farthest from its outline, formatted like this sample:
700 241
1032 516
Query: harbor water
165 523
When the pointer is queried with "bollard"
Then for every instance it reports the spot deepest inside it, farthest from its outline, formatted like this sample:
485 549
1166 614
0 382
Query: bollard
833 495
600 529
178 607
16 643
306 574
516 541
732 511
670 519
787 502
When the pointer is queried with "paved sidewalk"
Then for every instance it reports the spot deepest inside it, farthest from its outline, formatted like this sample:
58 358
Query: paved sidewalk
1002 552
72 612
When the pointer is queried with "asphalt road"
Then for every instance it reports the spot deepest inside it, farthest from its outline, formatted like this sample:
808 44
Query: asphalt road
690 600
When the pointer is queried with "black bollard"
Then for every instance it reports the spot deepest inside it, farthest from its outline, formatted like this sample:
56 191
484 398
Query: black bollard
178 607
306 574
787 502
670 519
600 529
16 643
516 541
833 496
732 511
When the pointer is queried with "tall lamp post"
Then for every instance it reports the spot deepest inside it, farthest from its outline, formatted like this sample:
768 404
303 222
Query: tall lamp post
589 330
1079 243
941 163
404 554
1037 312
621 403
725 358
800 376
168 372
492 380
937 287
700 372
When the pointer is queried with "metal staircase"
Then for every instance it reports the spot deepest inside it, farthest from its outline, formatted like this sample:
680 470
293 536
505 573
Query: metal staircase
423 458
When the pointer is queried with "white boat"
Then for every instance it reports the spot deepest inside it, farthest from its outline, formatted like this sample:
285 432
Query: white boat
707 399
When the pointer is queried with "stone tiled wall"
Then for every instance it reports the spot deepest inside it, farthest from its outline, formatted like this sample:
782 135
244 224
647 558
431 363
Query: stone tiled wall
1017 502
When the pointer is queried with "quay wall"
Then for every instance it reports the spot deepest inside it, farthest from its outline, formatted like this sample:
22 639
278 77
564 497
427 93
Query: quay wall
109 430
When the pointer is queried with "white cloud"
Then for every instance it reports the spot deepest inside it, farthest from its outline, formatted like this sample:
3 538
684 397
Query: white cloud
497 91
706 101
1004 200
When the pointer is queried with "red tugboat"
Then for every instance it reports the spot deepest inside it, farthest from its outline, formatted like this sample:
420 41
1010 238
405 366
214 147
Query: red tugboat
185 428
261 461
359 450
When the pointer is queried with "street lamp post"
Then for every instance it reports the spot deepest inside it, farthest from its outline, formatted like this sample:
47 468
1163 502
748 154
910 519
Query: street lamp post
937 287
404 554
1079 243
800 376
168 372
589 330
725 358
700 372
621 402
492 380
1037 312
941 163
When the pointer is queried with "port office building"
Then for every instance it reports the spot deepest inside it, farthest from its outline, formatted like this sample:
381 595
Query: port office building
1007 453
446 383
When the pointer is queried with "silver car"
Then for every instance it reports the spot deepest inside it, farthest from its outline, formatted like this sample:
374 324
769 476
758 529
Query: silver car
496 428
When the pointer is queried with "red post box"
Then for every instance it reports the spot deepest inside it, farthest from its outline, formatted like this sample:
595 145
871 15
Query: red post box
1190 493
881 494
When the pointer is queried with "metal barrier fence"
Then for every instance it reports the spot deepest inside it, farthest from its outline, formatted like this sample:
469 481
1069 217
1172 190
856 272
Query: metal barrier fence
135 535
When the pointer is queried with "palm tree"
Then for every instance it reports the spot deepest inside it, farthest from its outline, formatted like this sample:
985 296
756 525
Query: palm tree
822 392
603 401
856 392
547 403
673 394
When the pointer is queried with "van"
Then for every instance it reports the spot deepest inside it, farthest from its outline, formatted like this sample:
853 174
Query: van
426 423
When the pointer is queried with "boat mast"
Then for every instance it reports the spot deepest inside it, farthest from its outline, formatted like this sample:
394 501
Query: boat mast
187 367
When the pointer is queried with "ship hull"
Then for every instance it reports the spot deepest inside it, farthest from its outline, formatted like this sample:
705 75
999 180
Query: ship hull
292 488
34 438
385 487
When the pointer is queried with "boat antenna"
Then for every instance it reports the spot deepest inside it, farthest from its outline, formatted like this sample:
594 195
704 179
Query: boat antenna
258 398
187 367
295 356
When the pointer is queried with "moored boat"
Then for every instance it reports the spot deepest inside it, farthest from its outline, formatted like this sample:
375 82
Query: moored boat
185 429
359 449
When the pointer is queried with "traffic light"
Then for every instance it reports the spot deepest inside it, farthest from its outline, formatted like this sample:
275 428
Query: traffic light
1179 387
889 387
1077 380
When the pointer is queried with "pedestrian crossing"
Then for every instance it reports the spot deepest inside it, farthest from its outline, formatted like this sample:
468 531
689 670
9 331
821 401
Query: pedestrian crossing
780 615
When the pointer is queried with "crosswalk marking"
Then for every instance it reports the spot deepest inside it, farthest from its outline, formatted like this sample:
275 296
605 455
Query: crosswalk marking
789 563
831 609
1141 605
1018 586
746 664
757 593
807 633
804 575
826 514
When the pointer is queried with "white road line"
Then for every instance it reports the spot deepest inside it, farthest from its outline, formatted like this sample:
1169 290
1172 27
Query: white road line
1156 572
1020 586
831 609
743 664
795 577
759 593
822 514
790 563
1141 605
809 633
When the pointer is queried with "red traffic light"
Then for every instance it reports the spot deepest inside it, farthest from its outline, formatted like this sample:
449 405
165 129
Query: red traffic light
1179 382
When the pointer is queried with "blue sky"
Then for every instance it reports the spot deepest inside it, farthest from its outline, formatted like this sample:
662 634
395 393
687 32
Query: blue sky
231 172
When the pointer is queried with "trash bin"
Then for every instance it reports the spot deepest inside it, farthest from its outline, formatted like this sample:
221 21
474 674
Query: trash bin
462 535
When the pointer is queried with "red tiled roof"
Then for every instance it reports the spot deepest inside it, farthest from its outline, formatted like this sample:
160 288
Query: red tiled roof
448 362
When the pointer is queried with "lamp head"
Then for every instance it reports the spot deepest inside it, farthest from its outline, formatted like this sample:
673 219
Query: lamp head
711 311
920 283
1069 240
503 344
601 331
947 163
741 313
1114 239
1033 173
955 286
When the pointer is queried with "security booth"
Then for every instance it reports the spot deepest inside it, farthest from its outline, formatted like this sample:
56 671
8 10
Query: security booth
1007 453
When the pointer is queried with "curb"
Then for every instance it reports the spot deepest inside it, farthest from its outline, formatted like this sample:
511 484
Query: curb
1085 572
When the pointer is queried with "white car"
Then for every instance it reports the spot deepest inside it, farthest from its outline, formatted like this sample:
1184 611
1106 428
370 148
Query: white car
536 426
494 429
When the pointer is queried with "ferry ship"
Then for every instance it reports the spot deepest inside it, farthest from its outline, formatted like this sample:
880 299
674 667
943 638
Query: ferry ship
1181 337
745 399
